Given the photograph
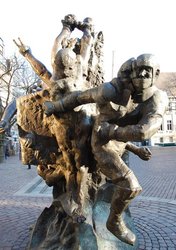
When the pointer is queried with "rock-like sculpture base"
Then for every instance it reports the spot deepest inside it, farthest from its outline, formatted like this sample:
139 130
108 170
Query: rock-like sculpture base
54 229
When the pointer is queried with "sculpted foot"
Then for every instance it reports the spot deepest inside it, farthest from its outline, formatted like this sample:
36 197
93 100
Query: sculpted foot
119 229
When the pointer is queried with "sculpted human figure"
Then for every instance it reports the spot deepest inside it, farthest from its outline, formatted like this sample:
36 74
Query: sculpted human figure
137 121
69 68
130 109
69 60
69 57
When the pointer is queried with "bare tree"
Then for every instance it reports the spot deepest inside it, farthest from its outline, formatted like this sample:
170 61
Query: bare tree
167 82
24 78
16 77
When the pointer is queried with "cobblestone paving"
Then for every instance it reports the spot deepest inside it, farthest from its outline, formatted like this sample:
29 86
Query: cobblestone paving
153 212
17 213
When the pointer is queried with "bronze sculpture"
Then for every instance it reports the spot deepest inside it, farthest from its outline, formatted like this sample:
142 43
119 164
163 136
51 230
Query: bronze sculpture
147 117
70 66
82 148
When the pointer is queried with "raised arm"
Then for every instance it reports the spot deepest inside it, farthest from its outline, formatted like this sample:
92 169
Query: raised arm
69 23
86 41
37 66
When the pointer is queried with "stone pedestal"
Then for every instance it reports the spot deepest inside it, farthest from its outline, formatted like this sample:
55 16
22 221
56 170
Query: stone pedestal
54 229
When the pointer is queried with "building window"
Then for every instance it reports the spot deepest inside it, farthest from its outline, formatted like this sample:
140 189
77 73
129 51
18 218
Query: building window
169 125
172 105
161 127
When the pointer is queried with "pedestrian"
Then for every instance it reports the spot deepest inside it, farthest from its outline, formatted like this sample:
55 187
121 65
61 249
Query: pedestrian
6 152
29 166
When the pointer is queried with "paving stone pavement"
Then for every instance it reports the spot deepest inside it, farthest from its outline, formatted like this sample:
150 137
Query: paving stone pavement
18 213
154 211
23 196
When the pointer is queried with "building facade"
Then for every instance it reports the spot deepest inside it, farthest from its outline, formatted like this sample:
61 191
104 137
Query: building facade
167 132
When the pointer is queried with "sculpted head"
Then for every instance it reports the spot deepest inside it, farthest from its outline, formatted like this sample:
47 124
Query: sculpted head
66 62
145 71
125 71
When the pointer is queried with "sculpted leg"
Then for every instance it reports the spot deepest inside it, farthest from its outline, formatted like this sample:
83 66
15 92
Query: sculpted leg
127 190
127 187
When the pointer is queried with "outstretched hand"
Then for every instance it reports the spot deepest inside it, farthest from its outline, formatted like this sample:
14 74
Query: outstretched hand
144 153
70 21
23 49
104 132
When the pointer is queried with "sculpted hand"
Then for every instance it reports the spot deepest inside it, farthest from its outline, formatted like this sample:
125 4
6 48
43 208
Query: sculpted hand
86 24
23 49
49 108
29 141
41 170
70 22
144 153
53 107
105 132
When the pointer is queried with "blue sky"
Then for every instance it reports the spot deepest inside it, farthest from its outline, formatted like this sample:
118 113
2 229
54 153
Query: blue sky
130 27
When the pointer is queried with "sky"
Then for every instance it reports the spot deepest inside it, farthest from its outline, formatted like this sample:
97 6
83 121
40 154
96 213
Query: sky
130 28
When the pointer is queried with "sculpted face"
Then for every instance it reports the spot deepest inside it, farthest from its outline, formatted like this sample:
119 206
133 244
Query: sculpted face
142 77
145 70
